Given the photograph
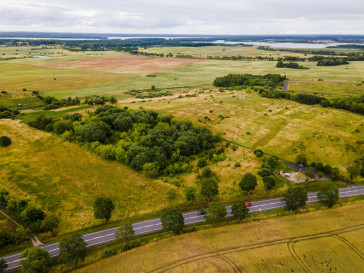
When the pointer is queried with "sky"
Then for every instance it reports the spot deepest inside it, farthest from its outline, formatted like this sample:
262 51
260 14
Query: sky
184 16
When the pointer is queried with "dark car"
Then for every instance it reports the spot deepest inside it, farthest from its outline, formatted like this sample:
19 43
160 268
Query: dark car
202 212
249 204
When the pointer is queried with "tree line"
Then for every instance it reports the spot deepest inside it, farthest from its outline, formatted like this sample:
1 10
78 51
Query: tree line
271 80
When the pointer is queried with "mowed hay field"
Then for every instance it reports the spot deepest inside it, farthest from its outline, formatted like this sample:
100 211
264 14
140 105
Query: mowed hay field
280 127
331 240
123 64
63 178
328 88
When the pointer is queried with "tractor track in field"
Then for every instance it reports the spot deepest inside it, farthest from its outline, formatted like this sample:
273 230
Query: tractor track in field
289 241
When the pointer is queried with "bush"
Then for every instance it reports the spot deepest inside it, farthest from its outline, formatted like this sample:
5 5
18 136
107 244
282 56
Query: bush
5 141
310 175
202 162
258 152
237 165
59 127
206 172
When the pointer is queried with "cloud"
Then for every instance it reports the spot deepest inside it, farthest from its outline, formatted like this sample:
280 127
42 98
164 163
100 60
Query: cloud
195 17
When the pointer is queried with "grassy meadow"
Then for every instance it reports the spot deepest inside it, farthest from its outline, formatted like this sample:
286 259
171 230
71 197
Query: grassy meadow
280 127
323 241
65 179
328 88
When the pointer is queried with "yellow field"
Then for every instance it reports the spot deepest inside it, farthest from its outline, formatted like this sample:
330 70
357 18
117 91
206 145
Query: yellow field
323 241
65 179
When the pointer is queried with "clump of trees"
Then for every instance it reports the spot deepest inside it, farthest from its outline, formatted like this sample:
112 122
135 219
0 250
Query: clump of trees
352 104
271 80
144 140
332 62
215 213
34 217
292 65
7 113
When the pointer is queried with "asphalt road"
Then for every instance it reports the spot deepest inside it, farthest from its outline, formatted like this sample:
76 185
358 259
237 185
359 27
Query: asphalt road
150 226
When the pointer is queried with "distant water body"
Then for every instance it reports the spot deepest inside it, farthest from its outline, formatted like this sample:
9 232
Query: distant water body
283 45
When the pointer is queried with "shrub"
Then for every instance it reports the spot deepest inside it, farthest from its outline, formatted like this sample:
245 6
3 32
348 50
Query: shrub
5 141
310 175
237 165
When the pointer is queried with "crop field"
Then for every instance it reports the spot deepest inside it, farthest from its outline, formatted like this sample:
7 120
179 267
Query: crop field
279 127
123 64
328 88
323 241
65 179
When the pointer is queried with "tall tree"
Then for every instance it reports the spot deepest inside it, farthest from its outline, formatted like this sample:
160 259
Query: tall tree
35 260
103 207
239 210
328 194
248 182
209 188
172 220
216 213
51 223
190 193
72 249
295 197
125 233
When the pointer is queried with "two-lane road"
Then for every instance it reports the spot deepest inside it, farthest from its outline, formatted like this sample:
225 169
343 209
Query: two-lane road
150 226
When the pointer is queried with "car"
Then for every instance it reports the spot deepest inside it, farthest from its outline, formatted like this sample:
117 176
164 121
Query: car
249 204
202 212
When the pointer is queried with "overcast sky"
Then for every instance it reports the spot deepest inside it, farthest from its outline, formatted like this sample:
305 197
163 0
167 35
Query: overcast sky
185 16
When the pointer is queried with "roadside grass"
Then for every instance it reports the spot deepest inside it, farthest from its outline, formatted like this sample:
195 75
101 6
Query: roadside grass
280 244
328 88
278 127
64 178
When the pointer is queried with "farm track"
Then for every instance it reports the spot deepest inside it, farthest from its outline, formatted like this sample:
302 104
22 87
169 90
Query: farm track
289 241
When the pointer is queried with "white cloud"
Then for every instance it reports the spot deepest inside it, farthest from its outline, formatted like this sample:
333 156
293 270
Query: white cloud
188 16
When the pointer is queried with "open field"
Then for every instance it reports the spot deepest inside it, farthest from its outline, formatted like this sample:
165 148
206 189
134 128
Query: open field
328 88
280 127
65 179
321 241
123 64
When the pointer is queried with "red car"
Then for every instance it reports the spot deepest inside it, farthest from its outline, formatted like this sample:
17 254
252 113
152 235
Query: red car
248 204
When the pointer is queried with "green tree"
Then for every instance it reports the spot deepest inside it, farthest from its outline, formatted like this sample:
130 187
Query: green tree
5 141
125 233
72 250
215 213
209 188
295 197
20 235
171 195
59 127
206 172
3 265
335 174
172 220
328 194
35 260
248 183
301 159
353 171
190 193
239 210
50 223
269 182
103 207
